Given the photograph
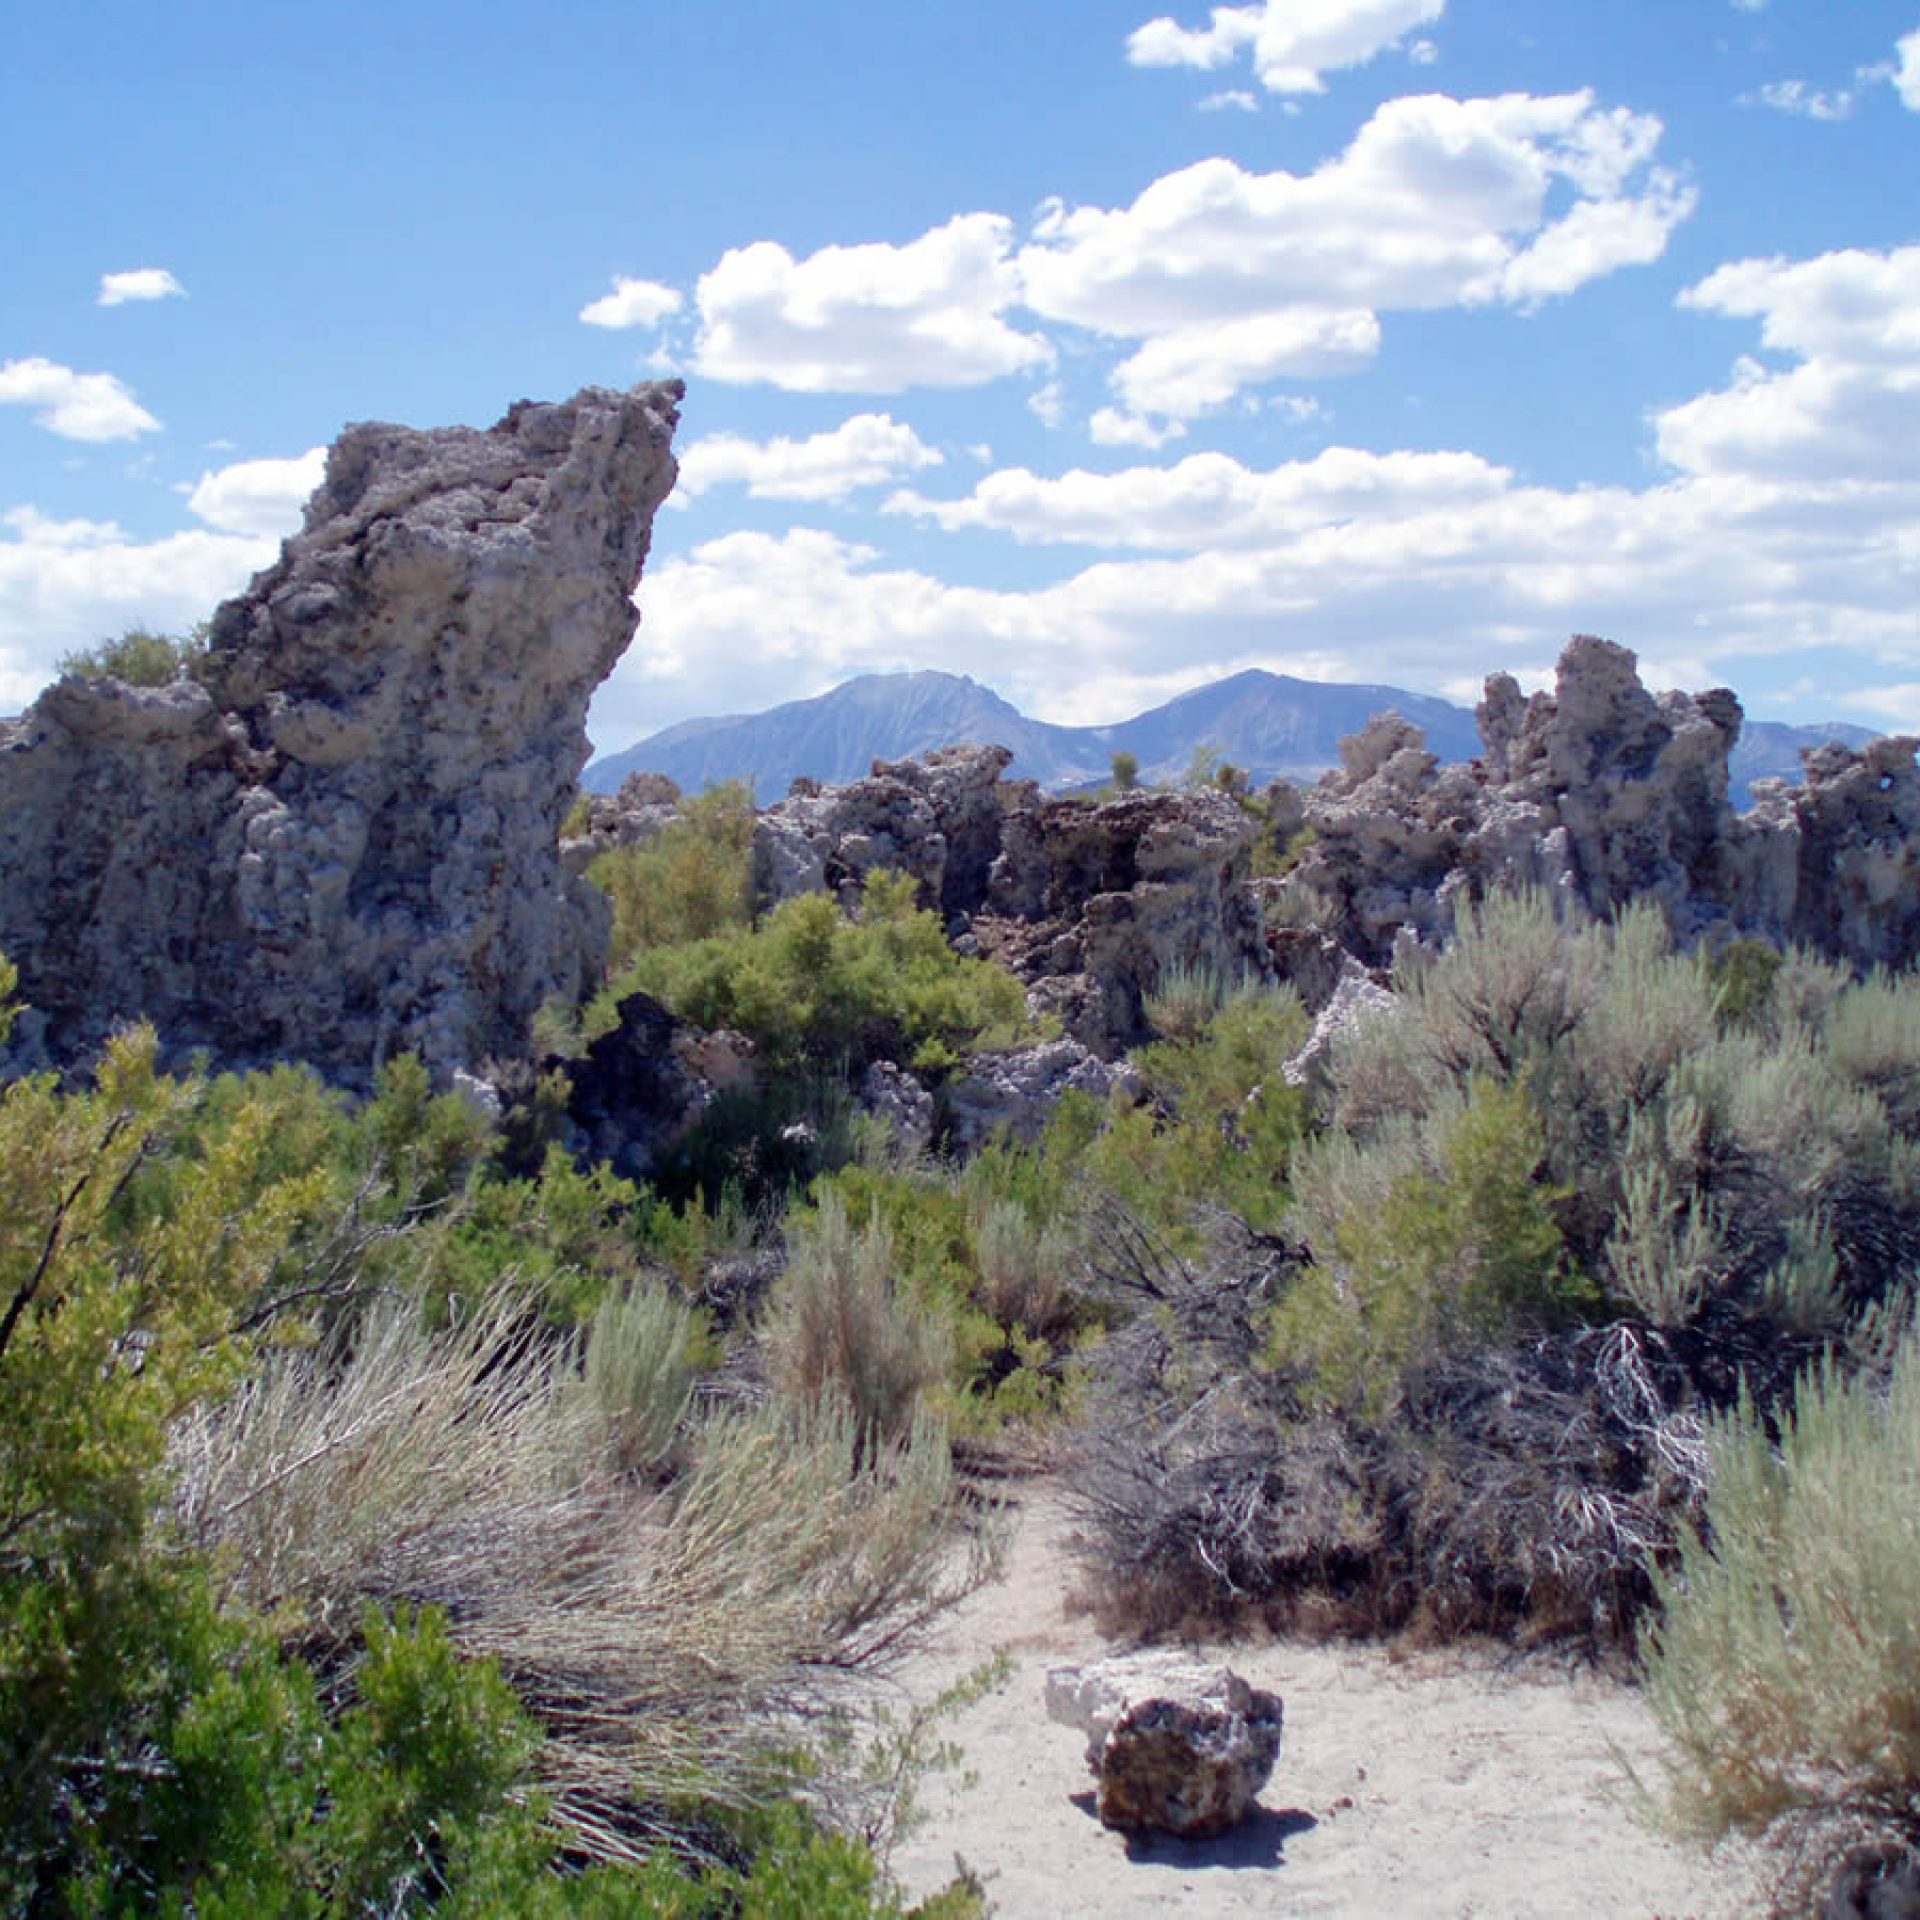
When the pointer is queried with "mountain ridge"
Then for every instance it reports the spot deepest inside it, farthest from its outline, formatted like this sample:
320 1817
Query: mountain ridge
1272 725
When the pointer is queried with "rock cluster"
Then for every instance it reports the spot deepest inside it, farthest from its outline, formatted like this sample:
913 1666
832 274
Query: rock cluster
339 838
940 817
1174 1746
1092 905
644 805
1603 793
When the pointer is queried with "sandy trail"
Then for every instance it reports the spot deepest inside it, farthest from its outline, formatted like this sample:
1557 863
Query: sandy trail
1423 1786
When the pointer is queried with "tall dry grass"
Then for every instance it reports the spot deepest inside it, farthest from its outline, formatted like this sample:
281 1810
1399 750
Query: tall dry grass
667 1638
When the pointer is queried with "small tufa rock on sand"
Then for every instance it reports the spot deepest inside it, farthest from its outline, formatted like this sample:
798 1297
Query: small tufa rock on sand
1175 1746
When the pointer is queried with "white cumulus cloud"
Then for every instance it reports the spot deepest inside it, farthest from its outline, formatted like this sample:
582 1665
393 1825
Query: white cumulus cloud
1293 43
1237 277
1906 76
76 406
139 283
868 450
1115 427
632 303
1849 406
1192 370
66 584
1209 500
876 318
262 498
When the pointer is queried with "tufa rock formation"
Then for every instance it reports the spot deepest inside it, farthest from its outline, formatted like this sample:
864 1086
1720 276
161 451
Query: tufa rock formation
1604 793
339 839
1092 905
1175 1746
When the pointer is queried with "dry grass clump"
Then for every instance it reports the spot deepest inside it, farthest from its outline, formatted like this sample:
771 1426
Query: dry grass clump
664 1636
836 1326
642 1357
1026 1272
1786 1667
390 1461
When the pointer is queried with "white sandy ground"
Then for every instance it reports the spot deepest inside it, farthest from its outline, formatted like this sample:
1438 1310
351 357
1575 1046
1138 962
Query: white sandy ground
1422 1786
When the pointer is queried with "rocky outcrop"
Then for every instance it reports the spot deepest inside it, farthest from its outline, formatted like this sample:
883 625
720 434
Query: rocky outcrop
1603 792
893 1097
638 1088
339 839
939 818
645 805
1174 1746
1015 1093
1092 904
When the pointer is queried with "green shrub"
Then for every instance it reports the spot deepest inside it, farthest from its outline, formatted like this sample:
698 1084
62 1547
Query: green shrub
1422 1243
140 657
811 985
1744 972
691 881
1222 1128
984 1257
114 1319
1786 1670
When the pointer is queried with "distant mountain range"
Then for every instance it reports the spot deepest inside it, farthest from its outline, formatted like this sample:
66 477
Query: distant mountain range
1274 726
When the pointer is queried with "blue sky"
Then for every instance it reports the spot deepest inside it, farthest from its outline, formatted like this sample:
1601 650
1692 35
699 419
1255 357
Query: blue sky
1092 351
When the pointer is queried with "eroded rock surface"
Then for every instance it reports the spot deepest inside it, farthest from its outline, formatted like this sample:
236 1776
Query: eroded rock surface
1603 792
1175 1746
1017 1092
1093 905
340 839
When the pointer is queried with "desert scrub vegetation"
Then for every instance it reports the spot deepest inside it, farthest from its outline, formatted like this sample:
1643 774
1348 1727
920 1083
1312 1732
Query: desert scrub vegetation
1217 1132
327 1584
1552 1214
812 985
1784 1666
141 657
691 881
986 1259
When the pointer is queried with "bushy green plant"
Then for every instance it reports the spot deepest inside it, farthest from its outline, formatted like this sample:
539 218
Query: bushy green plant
1786 1668
140 657
812 984
1744 972
1223 1124
113 1320
1436 1239
691 881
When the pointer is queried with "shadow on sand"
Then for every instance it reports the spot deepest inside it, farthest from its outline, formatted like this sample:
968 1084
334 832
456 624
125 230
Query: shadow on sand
1260 1840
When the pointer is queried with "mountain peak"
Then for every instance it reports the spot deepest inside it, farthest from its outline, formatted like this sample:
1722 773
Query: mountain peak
1271 724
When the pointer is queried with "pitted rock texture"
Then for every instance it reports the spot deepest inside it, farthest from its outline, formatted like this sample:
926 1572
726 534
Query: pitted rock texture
341 839
1175 1746
1015 1093
939 817
1092 904
1603 792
